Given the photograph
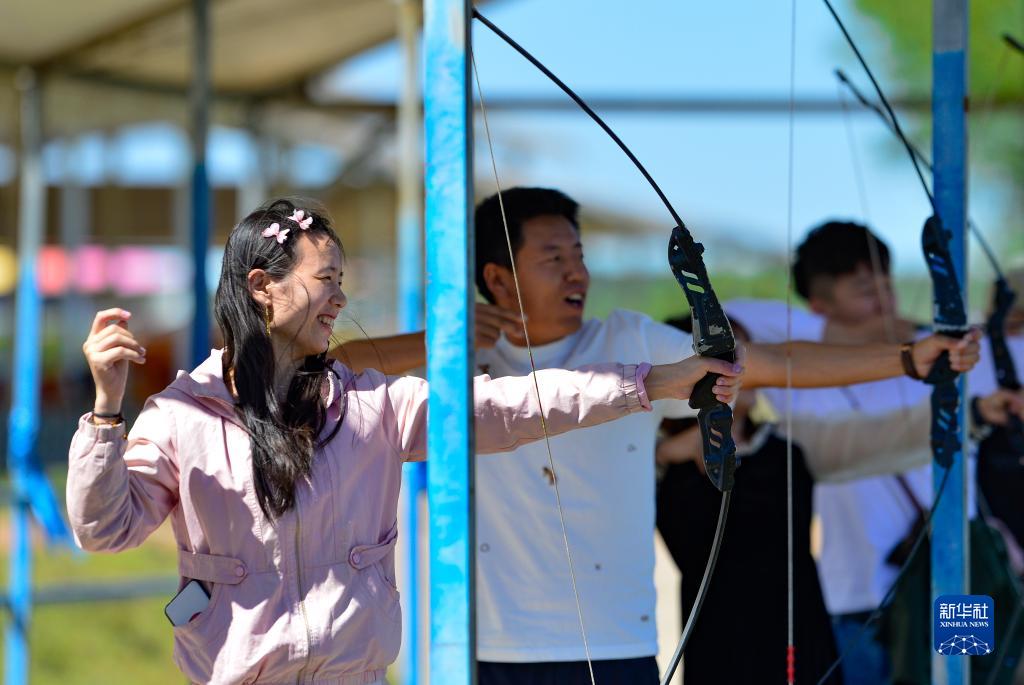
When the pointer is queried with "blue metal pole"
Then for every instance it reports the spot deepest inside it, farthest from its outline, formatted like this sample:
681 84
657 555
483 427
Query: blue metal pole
950 543
409 267
449 198
199 101
24 418
414 476
410 185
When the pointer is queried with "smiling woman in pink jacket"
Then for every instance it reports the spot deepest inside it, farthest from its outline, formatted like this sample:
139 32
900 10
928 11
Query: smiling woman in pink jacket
281 471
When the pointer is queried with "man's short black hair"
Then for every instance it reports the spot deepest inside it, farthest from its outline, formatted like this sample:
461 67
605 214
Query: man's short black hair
835 248
521 205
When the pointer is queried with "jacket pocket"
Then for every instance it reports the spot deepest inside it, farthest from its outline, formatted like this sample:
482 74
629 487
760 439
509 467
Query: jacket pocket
378 568
214 572
369 560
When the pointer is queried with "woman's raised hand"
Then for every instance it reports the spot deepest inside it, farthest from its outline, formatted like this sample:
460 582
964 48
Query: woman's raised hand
676 381
108 349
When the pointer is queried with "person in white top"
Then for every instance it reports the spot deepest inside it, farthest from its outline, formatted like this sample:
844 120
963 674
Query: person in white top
862 520
527 625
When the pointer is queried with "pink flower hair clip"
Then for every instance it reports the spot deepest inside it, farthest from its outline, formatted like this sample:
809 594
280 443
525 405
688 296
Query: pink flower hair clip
297 218
274 231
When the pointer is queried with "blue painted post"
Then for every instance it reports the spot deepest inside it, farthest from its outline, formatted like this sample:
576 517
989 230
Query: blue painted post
410 188
449 193
199 102
409 267
414 476
24 419
950 544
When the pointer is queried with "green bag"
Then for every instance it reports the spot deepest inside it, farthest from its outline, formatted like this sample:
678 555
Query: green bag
905 627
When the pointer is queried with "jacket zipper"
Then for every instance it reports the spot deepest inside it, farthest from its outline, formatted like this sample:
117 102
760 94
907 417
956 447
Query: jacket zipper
302 601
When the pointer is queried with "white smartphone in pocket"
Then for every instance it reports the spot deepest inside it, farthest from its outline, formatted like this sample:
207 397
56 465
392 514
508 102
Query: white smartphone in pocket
187 604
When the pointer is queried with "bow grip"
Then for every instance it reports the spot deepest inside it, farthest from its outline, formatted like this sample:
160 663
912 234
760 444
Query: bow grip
941 372
703 390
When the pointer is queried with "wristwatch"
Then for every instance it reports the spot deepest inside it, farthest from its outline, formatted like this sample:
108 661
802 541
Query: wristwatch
907 359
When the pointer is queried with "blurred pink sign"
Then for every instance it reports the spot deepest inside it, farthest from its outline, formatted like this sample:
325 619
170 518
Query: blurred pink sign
131 271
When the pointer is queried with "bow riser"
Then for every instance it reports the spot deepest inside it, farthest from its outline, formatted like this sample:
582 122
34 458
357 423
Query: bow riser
712 337
949 314
950 319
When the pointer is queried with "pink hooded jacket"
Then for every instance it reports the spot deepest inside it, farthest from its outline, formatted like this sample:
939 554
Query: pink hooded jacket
311 596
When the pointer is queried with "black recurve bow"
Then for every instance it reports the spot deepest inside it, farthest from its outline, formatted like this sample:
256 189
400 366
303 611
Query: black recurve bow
712 337
949 318
1003 296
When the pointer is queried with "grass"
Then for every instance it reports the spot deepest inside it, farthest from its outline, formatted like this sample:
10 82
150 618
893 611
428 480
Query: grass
117 642
125 642
113 642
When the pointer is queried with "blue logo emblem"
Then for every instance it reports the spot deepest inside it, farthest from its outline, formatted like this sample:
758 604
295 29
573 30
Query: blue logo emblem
964 625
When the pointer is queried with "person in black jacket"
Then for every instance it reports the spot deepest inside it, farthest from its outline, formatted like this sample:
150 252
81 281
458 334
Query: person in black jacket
741 634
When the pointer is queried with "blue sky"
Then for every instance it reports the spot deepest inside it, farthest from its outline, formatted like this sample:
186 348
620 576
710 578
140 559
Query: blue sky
724 174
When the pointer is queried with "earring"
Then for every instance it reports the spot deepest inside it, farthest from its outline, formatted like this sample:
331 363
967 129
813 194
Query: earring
267 317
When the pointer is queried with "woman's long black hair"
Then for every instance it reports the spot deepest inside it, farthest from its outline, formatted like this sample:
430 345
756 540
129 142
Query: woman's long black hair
283 432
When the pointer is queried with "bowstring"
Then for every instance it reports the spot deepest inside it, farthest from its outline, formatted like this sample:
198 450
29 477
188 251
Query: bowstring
533 367
790 542
889 319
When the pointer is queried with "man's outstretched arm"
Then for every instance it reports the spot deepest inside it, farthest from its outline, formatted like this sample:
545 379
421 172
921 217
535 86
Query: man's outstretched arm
821 365
398 354
391 355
